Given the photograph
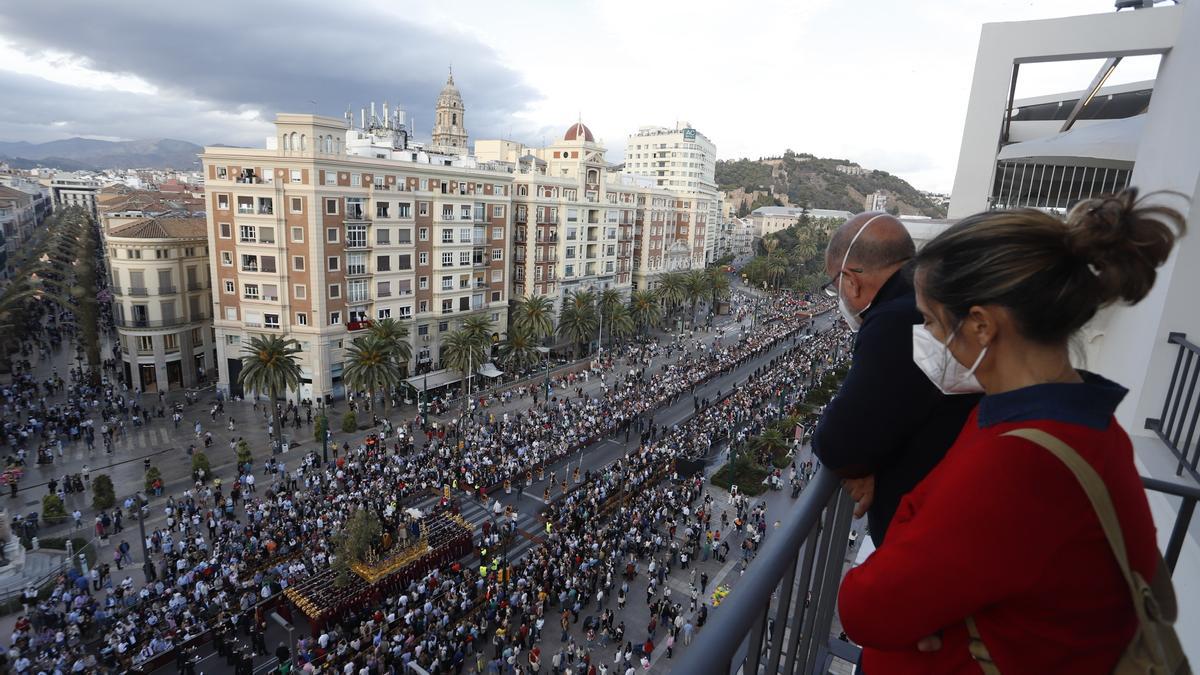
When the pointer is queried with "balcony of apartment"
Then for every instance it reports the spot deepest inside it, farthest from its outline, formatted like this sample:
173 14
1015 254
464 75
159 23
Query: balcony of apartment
357 271
358 243
167 290
145 323
137 291
356 214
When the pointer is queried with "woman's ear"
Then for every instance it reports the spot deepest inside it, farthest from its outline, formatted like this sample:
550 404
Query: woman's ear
981 324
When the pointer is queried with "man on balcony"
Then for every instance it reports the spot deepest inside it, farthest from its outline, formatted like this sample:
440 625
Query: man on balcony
888 426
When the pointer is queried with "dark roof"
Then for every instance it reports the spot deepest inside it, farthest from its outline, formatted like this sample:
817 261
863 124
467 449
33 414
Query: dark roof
162 228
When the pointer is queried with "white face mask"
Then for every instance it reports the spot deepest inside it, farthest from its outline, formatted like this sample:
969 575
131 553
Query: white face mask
853 319
939 365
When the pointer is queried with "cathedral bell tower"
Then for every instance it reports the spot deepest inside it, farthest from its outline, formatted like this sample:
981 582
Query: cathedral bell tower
449 128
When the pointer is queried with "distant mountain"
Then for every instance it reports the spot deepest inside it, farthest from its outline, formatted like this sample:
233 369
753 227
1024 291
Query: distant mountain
87 153
799 179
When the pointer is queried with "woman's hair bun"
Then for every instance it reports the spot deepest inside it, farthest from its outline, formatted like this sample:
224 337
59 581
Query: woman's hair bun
1123 241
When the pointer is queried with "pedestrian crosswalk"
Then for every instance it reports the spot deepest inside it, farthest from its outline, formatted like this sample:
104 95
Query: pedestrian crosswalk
529 527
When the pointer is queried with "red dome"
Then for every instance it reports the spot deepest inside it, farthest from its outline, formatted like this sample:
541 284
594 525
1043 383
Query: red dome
578 130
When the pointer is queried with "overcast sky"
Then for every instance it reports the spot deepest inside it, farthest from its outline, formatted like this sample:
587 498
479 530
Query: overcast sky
880 82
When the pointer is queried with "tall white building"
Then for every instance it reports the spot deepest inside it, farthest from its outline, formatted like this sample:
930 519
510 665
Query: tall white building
681 160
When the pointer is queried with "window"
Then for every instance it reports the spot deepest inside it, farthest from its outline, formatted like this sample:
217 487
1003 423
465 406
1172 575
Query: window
222 172
226 258
222 202
197 336
299 291
422 258
498 211
298 235
497 254
404 210
266 206
250 291
267 263
331 235
356 236
266 235
404 261
162 253
296 176
335 318
384 313
297 204
145 343
464 235
271 320
381 209
447 307
443 326
447 235
447 259
331 178
423 208
383 263
383 289
423 283
249 263
331 207
246 234
355 180
423 306
301 318
333 263
447 283
447 212
229 286
464 212
226 230
335 290
497 275
245 204
497 233
423 234
356 263
383 236
298 263
406 312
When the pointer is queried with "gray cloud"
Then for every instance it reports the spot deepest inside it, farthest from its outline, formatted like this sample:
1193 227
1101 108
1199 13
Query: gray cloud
235 56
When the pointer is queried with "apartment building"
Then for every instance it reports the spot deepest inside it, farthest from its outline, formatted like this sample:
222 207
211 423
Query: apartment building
332 226
573 216
70 189
162 301
684 161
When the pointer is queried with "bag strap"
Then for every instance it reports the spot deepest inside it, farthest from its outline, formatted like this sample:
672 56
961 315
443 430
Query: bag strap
1097 493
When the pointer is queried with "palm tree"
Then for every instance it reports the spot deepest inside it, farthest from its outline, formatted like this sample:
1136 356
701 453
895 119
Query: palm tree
535 314
768 444
269 364
395 335
671 289
718 286
620 323
518 349
371 365
461 352
577 320
695 285
777 267
479 329
645 310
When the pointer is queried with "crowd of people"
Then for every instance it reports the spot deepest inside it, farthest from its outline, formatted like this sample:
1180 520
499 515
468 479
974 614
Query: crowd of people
223 549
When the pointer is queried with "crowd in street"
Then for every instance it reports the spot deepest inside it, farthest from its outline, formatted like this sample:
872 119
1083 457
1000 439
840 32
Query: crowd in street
225 548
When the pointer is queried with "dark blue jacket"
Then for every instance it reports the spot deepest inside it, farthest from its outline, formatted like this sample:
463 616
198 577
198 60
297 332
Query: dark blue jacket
888 419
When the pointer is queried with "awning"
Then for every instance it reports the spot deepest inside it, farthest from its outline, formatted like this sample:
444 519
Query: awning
489 370
1112 141
434 380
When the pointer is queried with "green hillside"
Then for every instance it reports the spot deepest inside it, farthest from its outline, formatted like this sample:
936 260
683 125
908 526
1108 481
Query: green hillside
815 182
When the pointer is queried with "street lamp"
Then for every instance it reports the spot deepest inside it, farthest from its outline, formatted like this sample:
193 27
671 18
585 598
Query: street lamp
545 351
425 401
143 509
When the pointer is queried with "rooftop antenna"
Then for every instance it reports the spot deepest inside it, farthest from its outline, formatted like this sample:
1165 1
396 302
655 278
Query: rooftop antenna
314 105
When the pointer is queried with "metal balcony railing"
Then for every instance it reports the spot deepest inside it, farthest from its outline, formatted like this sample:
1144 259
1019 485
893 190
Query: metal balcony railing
166 290
780 618
1177 428
123 322
136 290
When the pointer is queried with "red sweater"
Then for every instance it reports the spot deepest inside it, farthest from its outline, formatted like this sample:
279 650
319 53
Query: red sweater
1001 530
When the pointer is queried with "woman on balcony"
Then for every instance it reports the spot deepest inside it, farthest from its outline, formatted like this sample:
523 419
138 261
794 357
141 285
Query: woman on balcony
1001 534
